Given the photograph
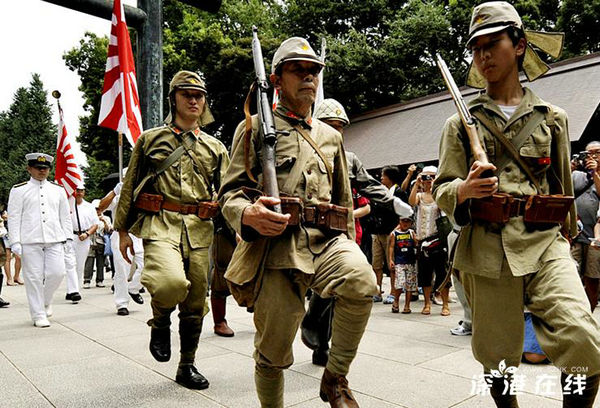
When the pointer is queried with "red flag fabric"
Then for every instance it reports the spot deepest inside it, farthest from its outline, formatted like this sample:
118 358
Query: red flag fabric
67 173
120 106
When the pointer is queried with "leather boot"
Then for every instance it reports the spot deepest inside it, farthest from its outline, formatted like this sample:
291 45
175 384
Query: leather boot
190 327
218 311
335 390
316 321
502 400
160 344
583 400
189 377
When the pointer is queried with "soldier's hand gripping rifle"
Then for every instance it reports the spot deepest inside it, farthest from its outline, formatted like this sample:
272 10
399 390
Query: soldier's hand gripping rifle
465 115
266 126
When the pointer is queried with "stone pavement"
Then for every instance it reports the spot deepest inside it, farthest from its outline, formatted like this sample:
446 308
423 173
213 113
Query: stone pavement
91 357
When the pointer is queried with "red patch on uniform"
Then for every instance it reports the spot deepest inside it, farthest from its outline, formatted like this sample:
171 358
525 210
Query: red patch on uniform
542 161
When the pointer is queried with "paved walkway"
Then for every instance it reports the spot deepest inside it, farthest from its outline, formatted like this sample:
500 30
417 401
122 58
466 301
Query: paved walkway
91 357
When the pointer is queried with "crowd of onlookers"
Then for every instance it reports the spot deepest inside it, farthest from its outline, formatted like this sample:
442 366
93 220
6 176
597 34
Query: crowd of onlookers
413 251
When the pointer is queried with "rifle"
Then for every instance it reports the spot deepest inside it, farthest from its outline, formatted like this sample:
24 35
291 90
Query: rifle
266 128
464 114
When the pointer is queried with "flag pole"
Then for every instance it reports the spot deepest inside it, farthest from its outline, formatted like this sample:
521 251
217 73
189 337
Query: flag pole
56 94
120 156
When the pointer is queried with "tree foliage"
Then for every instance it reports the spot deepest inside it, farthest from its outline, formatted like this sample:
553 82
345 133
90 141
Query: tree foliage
379 52
26 127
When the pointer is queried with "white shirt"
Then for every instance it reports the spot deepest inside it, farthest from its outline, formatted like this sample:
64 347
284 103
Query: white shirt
38 213
87 216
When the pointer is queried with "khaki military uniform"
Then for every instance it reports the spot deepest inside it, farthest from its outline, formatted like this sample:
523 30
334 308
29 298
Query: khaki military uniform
281 269
506 268
175 245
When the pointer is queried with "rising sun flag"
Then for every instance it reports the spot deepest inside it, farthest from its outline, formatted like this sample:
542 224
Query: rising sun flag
120 106
67 173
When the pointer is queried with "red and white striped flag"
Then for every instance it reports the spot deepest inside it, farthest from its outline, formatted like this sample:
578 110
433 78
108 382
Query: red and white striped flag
120 106
67 173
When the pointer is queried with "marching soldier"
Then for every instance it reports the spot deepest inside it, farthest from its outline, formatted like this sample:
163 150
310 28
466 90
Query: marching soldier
276 261
316 325
166 201
40 227
510 252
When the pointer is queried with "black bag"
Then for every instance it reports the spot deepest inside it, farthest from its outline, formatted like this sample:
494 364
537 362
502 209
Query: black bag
381 220
444 227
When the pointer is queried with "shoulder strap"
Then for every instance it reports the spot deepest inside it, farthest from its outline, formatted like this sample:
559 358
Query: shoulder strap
187 142
314 145
164 165
512 146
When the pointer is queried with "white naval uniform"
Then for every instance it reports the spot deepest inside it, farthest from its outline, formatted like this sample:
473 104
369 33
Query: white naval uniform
122 268
39 221
87 219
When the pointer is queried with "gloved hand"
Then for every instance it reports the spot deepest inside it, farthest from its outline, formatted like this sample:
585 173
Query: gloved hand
118 187
68 246
17 249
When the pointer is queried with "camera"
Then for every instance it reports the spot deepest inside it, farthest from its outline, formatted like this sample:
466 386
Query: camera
426 177
579 160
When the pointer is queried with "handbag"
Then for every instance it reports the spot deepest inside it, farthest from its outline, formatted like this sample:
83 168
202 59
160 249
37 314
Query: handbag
444 228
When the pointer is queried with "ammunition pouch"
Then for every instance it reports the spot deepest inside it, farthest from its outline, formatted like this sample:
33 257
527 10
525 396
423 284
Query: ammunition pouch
292 206
153 203
325 216
538 211
328 217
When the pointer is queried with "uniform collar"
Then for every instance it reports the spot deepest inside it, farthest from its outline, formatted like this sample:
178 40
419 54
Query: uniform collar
196 131
283 112
529 102
37 182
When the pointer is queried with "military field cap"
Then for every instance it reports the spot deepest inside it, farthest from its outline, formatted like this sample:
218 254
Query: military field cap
39 160
332 110
495 16
190 80
187 80
294 49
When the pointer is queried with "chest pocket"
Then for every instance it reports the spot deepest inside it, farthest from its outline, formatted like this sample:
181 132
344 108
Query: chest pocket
322 167
537 151
284 163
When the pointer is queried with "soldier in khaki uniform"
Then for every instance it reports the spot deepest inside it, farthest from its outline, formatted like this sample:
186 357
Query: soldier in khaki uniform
168 183
275 264
508 266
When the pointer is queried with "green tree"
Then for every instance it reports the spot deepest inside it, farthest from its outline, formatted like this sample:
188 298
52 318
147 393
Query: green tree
580 21
26 127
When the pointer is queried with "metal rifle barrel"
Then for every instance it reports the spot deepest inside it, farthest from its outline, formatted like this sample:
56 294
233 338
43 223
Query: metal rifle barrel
267 125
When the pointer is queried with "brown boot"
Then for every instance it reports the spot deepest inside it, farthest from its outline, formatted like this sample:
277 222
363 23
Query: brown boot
334 389
218 311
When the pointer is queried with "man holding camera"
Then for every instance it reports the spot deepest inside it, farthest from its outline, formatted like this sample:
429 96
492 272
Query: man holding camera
586 183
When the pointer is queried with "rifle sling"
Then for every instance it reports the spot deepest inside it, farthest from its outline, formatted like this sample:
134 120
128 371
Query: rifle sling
248 132
512 146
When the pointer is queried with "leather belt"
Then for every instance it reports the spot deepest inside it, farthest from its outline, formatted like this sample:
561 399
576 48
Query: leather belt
180 208
517 206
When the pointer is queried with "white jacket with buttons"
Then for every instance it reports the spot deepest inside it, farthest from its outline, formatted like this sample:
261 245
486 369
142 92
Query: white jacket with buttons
38 213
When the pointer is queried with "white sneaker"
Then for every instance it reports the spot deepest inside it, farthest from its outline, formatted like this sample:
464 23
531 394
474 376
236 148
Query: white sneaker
460 331
86 285
49 311
43 322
